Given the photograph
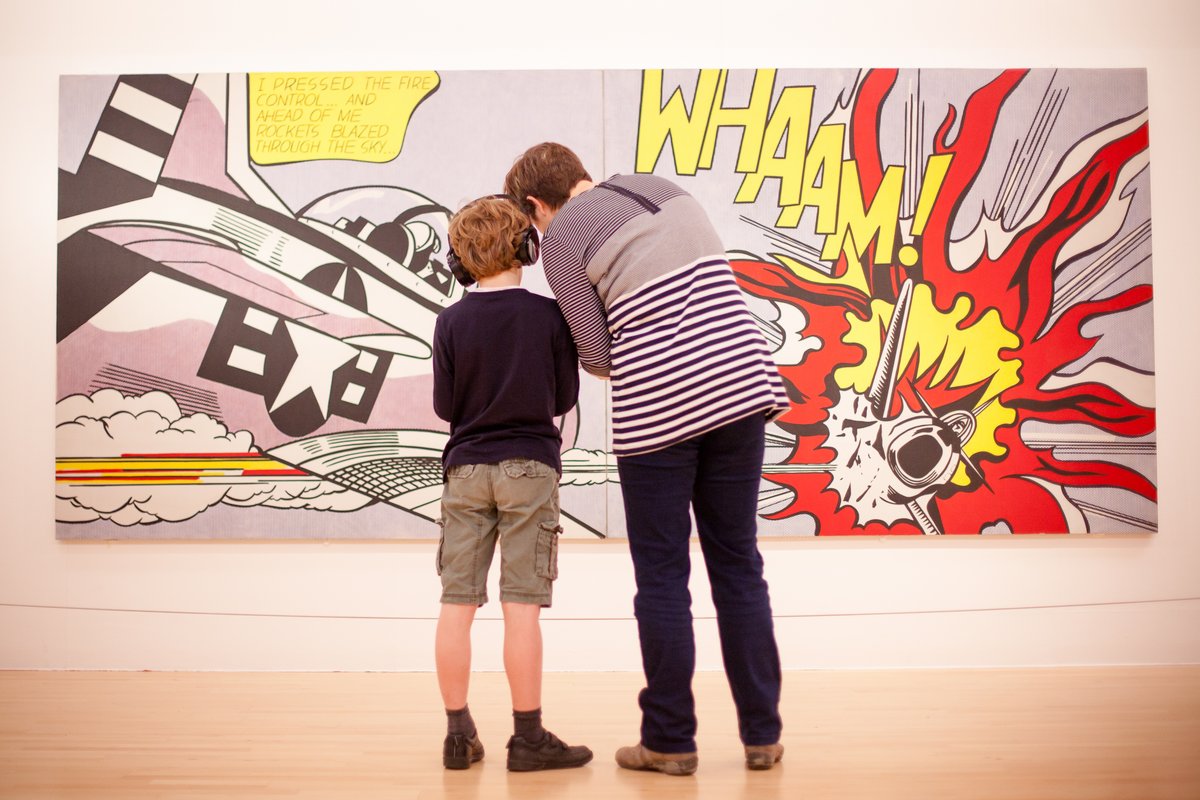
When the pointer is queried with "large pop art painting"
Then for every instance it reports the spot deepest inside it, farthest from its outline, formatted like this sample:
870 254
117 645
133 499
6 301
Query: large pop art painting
953 268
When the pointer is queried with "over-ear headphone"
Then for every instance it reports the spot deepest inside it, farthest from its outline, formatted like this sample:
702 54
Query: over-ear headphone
526 249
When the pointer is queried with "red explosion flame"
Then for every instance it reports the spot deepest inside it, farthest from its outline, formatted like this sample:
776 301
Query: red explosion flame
1019 285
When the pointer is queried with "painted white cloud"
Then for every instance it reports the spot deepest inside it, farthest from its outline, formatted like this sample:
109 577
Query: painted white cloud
109 424
316 495
585 467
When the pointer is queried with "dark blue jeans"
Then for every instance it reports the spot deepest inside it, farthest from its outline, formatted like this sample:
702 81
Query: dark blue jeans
717 475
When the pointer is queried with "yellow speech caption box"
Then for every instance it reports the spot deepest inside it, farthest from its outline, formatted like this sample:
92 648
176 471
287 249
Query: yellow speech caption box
357 116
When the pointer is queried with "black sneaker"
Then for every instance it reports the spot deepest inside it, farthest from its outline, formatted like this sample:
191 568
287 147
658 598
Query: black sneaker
460 752
550 753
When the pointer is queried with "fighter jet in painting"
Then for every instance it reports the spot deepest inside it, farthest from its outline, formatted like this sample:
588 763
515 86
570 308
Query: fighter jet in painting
181 272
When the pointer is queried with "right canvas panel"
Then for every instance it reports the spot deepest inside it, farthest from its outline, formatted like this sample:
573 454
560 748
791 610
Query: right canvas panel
954 270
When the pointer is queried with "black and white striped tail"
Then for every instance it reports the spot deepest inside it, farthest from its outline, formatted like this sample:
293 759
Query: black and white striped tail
129 148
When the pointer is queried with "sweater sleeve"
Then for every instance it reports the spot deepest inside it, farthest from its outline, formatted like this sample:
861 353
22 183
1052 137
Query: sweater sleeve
443 372
580 304
566 372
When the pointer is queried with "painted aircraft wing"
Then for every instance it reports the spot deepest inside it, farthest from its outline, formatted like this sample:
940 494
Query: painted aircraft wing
400 467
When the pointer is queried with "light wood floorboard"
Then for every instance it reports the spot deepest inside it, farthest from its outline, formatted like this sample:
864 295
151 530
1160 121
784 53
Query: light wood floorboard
924 734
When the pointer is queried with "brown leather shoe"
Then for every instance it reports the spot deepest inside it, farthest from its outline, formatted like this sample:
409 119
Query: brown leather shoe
549 752
638 757
763 756
460 752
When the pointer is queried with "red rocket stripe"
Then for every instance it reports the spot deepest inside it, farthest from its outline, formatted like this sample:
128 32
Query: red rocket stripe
130 479
256 456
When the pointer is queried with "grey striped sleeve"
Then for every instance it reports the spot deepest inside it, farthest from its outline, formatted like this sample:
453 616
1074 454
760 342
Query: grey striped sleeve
580 305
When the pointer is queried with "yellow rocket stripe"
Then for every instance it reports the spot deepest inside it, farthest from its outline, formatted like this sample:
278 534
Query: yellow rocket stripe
142 464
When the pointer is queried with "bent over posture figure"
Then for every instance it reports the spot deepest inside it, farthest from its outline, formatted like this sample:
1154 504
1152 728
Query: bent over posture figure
652 303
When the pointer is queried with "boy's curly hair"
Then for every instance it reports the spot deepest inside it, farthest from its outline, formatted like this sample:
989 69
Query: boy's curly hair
485 235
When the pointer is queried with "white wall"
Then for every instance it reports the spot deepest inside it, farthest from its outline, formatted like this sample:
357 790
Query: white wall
862 603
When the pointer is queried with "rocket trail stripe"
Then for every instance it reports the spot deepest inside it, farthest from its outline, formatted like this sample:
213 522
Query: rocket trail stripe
119 479
123 155
149 471
233 468
156 463
158 475
169 463
146 107
163 456
136 474
180 469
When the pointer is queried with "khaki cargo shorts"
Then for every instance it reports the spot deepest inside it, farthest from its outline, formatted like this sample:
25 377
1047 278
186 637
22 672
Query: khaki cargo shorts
515 502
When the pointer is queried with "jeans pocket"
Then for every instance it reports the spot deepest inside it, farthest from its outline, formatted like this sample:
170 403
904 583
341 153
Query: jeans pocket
460 471
546 557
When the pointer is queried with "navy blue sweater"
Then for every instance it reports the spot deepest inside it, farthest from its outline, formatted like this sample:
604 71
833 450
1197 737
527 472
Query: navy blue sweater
504 366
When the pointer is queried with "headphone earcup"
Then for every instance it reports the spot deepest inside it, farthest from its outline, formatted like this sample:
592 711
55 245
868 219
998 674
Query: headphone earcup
458 269
527 248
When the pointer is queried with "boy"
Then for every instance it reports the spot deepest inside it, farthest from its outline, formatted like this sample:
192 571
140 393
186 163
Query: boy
504 367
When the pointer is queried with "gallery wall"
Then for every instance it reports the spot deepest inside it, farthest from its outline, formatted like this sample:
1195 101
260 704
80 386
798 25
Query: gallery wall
842 603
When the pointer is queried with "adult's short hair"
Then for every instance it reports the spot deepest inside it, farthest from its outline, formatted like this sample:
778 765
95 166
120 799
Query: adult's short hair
547 171
485 235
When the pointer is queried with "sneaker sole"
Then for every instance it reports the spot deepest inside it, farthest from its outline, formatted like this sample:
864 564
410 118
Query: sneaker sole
681 767
762 762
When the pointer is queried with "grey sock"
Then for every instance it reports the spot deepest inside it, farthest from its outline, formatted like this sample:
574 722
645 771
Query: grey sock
460 722
528 725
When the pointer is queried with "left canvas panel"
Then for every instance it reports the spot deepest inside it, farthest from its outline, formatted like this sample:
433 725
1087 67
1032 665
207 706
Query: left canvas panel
249 270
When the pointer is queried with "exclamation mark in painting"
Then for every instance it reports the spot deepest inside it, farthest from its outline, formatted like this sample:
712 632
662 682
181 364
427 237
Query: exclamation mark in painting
935 173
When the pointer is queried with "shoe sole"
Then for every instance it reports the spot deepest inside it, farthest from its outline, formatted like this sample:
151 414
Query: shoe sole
762 762
685 766
461 762
534 766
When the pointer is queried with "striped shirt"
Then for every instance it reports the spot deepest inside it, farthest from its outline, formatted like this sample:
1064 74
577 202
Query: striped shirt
642 280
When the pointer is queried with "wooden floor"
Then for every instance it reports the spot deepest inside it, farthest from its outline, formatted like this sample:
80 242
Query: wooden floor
1034 733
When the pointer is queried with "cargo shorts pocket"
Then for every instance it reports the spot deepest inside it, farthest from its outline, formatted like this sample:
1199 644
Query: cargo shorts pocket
437 560
546 557
525 468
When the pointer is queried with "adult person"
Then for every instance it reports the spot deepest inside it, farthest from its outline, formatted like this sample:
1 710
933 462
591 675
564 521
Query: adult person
652 303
